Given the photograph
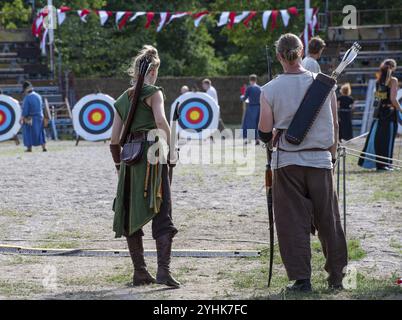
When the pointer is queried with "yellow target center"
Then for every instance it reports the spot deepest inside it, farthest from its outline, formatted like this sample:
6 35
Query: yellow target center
96 117
194 115
1 118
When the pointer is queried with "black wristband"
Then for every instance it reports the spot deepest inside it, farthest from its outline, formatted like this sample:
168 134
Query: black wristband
265 136
333 160
117 167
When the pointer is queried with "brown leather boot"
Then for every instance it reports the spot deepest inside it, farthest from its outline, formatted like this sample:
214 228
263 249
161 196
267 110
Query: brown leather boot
141 274
164 249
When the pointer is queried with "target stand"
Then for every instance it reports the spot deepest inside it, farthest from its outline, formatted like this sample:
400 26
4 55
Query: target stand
93 117
10 115
198 115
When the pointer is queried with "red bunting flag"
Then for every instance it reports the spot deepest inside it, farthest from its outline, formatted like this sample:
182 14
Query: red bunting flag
293 11
122 18
150 17
250 16
232 16
274 15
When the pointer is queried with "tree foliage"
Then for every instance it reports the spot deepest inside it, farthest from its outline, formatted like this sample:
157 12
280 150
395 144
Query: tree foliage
14 14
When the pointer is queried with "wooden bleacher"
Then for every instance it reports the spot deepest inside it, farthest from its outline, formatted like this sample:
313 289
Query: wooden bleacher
378 43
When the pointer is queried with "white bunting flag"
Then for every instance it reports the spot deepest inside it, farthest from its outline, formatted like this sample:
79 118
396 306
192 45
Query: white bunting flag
163 16
61 14
224 18
265 18
119 15
177 15
136 15
103 16
285 17
239 18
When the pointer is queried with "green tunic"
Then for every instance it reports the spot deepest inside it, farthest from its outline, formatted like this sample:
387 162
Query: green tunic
141 207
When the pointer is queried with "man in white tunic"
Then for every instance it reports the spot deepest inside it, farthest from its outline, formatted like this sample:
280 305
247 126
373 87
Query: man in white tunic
315 48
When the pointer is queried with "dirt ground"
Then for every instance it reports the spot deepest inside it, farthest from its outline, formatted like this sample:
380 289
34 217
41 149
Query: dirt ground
63 199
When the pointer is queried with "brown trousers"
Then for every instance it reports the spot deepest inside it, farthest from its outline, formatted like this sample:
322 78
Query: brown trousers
302 197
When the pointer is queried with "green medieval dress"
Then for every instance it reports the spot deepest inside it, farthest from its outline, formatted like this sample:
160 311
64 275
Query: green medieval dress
142 203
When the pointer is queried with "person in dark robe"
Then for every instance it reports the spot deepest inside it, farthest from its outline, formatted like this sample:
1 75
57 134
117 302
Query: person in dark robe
381 138
252 115
32 118
143 191
345 109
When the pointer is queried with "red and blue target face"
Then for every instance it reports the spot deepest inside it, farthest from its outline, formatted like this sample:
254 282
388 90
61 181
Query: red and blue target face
96 116
7 117
195 114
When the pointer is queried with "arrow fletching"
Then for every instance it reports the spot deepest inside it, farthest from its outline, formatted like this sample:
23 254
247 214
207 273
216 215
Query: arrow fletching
347 59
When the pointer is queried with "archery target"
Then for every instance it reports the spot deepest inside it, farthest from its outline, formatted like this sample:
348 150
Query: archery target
10 114
198 115
93 117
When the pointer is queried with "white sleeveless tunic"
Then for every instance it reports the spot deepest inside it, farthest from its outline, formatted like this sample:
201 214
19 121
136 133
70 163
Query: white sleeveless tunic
284 94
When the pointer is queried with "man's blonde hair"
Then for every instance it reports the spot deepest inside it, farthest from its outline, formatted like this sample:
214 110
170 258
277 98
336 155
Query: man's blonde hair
290 47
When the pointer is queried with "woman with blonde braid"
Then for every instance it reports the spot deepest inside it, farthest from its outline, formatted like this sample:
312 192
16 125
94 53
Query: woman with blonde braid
143 191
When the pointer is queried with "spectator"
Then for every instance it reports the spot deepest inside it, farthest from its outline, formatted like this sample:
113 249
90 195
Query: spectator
315 48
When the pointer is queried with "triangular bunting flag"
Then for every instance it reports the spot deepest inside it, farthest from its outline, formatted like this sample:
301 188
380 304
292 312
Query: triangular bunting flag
223 18
61 14
122 18
250 16
164 17
104 16
150 17
198 17
274 18
285 17
265 18
178 15
83 14
232 16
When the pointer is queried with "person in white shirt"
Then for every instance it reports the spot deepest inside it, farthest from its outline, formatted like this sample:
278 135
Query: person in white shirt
315 48
184 89
209 89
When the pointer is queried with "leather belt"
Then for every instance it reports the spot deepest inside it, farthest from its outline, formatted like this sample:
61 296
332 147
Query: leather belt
138 136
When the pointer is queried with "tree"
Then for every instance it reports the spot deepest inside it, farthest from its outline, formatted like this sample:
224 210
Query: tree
14 14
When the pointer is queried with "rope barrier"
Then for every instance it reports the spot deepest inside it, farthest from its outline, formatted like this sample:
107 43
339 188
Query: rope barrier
374 160
373 155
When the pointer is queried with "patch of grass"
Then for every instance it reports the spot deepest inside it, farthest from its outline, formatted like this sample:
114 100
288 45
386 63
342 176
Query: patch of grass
355 251
22 260
59 245
119 278
20 288
14 214
255 280
394 243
